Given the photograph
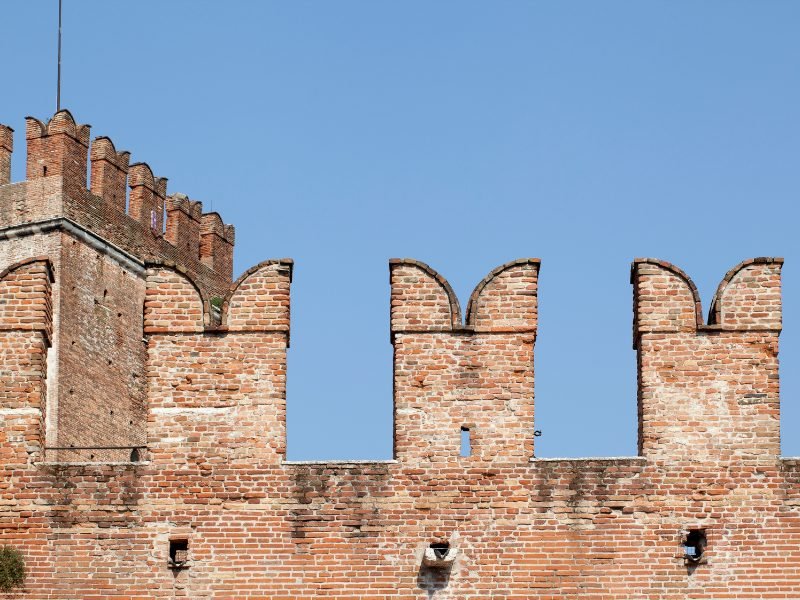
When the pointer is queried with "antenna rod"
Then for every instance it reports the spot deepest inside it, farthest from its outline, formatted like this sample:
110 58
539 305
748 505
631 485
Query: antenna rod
58 87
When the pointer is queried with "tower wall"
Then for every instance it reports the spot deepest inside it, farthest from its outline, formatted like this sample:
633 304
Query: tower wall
101 382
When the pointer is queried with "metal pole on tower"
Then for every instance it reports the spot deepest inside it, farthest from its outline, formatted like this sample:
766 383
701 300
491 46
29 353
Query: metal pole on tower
58 86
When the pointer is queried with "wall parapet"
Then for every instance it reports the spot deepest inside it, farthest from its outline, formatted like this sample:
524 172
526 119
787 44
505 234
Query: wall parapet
214 480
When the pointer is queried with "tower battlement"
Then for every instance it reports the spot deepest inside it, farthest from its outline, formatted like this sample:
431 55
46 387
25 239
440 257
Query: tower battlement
96 186
143 421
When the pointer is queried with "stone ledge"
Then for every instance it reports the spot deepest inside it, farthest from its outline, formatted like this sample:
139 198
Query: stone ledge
291 463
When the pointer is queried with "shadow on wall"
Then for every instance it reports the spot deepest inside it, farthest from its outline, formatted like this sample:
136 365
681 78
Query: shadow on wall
432 580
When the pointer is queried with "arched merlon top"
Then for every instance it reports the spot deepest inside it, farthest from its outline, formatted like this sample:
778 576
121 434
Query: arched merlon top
62 122
211 223
182 202
506 299
664 297
173 303
6 138
103 149
25 294
140 174
667 300
749 296
259 300
423 301
44 260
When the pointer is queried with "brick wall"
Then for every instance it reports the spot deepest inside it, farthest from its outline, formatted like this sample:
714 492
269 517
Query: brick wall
58 160
100 243
452 377
101 371
210 406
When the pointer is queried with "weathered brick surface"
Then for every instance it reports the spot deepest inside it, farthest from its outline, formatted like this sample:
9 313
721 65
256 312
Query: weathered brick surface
204 394
708 390
109 172
100 250
101 357
6 148
57 159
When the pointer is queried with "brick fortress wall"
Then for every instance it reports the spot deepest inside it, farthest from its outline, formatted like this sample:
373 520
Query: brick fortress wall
211 508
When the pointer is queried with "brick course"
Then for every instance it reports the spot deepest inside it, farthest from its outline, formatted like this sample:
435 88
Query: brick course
201 397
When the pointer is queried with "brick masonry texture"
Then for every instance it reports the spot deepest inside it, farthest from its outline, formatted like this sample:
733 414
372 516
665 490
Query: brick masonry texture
108 340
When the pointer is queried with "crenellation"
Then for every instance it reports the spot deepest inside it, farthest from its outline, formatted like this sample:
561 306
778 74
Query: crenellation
749 296
6 150
216 243
58 159
26 329
147 197
502 301
173 303
58 147
25 294
724 374
453 379
259 299
665 299
109 172
143 422
184 223
422 300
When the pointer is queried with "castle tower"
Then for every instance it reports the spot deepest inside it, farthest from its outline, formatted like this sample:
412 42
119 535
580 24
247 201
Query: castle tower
75 217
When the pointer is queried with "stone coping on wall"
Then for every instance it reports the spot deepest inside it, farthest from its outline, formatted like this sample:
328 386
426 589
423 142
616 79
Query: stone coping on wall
291 463
344 462
125 259
141 463
536 459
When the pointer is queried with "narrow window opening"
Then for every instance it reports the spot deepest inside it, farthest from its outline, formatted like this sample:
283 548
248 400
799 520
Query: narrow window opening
466 442
136 458
178 552
44 171
695 544
440 549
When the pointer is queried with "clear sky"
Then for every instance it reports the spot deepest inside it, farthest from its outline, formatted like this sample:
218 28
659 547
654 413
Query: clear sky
464 134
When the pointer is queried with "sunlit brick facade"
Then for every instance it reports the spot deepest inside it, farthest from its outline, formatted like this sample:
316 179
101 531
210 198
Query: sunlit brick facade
143 421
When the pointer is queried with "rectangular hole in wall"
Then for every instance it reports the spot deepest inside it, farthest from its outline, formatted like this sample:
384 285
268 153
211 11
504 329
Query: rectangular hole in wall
466 442
178 552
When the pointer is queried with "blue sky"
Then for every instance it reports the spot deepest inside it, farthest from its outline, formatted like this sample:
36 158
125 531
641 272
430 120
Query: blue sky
464 134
